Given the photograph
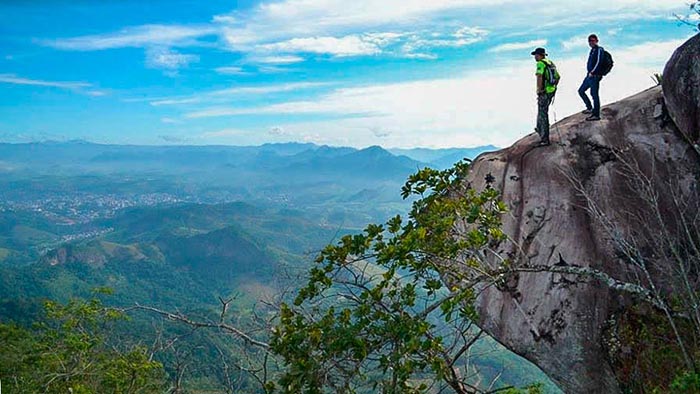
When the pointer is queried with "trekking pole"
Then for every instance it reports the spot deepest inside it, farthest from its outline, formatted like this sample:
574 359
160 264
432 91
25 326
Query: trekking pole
556 123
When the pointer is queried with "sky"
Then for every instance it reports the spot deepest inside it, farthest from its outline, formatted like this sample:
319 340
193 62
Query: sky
395 73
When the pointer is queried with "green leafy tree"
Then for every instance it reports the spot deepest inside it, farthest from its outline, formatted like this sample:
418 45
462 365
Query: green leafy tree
70 352
391 310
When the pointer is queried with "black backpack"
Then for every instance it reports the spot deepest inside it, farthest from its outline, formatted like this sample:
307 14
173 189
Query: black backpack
607 63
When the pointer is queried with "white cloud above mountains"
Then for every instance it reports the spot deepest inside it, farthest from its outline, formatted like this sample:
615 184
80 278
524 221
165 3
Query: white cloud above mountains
341 28
224 95
489 106
438 107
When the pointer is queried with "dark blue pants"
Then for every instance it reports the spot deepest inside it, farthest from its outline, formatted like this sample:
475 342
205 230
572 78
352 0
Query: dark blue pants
592 83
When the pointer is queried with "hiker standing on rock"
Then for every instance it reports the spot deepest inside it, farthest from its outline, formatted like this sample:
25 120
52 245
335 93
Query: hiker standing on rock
597 65
547 80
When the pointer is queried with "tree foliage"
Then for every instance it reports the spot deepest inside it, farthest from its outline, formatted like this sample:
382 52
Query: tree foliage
69 351
390 310
691 18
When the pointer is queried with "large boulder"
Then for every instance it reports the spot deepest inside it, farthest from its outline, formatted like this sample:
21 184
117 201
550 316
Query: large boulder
561 321
681 85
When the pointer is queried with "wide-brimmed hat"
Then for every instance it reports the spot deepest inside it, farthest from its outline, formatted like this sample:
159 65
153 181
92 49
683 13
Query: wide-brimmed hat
539 51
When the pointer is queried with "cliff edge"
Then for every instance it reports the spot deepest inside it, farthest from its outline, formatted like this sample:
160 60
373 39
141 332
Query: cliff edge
575 203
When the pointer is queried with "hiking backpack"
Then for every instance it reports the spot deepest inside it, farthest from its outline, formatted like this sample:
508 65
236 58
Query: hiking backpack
606 63
551 74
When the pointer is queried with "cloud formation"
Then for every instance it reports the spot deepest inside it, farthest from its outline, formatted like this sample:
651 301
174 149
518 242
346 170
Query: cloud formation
15 80
78 87
518 46
225 95
281 32
459 111
134 37
168 59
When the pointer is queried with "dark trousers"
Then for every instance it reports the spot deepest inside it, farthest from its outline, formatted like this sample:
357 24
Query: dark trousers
543 103
592 83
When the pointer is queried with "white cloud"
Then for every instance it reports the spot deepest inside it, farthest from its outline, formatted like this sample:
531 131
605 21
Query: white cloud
339 28
652 54
380 132
225 133
358 28
96 93
487 106
273 69
225 95
384 38
338 15
266 89
226 19
410 44
175 101
577 42
517 46
231 70
79 87
469 32
134 37
174 139
418 55
168 59
418 44
15 80
280 21
351 45
614 32
289 59
278 131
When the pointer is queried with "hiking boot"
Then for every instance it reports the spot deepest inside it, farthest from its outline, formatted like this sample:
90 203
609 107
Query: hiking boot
593 118
587 111
543 143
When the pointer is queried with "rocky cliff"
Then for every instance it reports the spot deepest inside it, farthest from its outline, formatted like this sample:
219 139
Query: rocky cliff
682 89
574 204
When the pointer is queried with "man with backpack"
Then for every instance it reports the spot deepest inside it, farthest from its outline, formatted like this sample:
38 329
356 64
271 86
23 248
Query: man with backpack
599 64
547 81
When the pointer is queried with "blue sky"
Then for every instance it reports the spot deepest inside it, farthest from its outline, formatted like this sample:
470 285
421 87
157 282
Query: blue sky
396 73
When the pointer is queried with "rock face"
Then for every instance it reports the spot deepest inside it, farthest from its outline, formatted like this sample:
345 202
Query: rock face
681 81
556 320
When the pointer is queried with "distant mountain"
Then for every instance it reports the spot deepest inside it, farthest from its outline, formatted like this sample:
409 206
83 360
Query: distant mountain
111 158
178 226
288 149
443 158
373 162
318 180
320 152
180 254
219 257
